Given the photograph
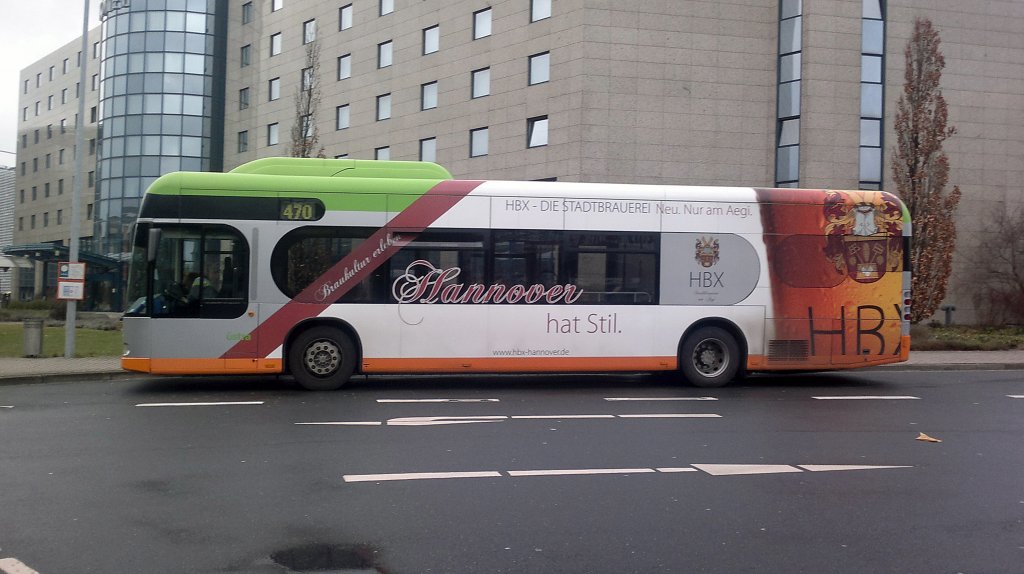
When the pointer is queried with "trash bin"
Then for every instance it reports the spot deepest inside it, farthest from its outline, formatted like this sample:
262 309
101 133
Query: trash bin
33 337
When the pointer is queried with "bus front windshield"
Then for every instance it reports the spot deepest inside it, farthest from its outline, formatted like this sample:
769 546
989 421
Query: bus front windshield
199 271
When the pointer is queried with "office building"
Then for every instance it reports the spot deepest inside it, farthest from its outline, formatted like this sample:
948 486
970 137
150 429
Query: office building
742 92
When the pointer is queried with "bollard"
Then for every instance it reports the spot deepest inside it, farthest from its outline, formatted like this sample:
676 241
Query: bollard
33 337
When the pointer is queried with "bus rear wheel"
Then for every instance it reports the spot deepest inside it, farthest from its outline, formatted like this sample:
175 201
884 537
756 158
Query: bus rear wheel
709 357
322 359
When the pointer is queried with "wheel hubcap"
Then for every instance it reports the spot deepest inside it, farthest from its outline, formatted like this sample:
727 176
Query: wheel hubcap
710 357
322 358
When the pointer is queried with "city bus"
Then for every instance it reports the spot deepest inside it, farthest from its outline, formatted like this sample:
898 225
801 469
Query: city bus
322 269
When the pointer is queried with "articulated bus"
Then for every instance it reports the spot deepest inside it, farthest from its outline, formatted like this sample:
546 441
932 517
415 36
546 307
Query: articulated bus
321 269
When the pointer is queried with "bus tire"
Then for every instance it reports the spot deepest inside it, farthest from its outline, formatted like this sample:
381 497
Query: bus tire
322 359
709 357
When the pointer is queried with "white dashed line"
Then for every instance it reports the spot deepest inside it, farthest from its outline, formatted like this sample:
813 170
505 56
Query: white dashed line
420 476
440 420
660 399
565 472
199 404
1016 396
6 406
348 423
438 400
672 416
14 566
867 398
712 469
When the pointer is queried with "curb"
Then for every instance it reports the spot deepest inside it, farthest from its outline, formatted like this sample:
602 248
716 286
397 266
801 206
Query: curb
71 378
127 375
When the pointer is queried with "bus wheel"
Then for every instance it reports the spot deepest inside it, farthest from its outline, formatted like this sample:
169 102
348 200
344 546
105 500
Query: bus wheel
322 359
710 357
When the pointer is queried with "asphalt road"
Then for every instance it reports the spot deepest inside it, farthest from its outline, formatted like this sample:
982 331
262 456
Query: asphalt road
527 474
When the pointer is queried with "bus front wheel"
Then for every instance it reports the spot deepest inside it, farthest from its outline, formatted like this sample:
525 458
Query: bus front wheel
322 359
709 357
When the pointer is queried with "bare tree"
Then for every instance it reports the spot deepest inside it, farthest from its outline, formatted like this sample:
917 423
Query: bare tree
920 169
999 294
305 133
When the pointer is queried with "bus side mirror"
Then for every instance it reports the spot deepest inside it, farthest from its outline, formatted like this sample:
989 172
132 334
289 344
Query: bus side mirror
152 244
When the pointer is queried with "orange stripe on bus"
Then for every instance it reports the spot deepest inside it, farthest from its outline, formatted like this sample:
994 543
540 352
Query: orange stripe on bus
518 364
202 366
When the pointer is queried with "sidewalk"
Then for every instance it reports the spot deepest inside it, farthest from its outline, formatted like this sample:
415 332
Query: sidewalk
16 371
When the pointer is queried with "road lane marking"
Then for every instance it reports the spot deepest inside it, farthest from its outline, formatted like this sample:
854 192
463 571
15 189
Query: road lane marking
711 469
345 423
420 476
672 416
438 400
660 399
15 566
730 469
866 397
461 420
836 467
200 404
432 421
1016 396
543 417
6 406
578 471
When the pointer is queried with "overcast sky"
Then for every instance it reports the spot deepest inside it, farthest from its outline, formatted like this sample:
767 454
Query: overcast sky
31 29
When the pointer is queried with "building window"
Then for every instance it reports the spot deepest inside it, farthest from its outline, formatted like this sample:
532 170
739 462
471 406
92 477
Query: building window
245 55
46 189
243 98
21 224
275 44
382 153
95 82
428 149
481 82
345 66
63 125
25 90
274 89
307 79
247 12
60 187
478 142
428 96
872 93
46 216
787 136
540 9
91 180
482 23
276 5
540 65
60 217
23 196
92 146
33 222
341 117
49 102
272 134
309 31
431 39
60 156
345 17
67 62
387 7
384 54
537 131
51 73
383 107
307 126
64 96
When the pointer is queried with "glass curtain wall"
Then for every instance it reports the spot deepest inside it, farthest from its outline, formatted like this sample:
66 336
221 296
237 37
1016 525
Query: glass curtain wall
161 104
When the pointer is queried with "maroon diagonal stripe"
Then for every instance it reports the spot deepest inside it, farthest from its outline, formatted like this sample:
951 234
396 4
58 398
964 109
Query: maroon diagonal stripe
309 303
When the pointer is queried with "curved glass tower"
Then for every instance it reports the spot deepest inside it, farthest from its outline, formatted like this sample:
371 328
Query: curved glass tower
161 104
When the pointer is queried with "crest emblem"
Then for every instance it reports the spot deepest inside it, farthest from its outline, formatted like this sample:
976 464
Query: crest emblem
863 234
707 251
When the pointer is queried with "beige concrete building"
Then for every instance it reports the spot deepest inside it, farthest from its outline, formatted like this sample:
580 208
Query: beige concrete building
740 92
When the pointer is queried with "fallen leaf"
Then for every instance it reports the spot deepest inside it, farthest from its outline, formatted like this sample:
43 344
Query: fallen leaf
926 438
